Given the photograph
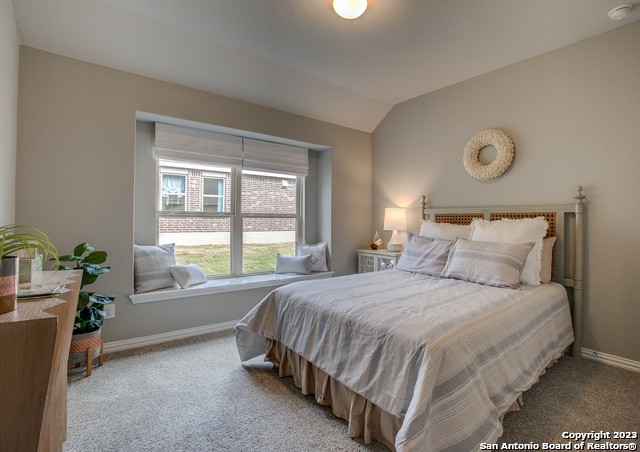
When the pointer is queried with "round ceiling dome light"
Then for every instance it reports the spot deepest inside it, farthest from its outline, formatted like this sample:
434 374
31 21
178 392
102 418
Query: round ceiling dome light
620 12
349 9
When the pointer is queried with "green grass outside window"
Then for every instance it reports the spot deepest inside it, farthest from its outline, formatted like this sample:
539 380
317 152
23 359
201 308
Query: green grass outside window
214 259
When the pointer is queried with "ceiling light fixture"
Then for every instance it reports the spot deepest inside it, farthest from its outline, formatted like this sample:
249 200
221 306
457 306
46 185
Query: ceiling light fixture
349 9
620 12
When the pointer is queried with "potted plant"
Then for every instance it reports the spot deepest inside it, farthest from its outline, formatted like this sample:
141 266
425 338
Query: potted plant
15 239
86 342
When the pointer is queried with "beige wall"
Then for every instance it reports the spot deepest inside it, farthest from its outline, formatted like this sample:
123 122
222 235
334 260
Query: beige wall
75 175
574 116
9 51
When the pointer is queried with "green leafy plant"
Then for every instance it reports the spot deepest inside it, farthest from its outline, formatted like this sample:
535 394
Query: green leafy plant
15 239
90 308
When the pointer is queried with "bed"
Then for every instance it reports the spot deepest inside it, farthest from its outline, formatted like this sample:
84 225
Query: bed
430 356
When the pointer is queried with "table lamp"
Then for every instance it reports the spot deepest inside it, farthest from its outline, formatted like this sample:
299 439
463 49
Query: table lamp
395 219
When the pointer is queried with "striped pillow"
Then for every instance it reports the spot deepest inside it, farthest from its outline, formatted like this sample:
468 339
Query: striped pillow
489 263
522 230
151 267
424 255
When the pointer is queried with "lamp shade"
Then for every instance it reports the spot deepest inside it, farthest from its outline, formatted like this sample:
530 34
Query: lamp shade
395 219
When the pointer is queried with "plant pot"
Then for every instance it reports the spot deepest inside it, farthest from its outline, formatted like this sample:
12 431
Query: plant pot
86 347
9 267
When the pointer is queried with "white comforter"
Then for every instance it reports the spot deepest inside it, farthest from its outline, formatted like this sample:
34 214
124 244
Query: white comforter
448 357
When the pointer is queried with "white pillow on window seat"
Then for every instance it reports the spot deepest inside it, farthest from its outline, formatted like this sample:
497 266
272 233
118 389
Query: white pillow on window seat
187 275
293 264
318 254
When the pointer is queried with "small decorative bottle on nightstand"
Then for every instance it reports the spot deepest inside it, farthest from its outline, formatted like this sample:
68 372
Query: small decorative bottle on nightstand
377 260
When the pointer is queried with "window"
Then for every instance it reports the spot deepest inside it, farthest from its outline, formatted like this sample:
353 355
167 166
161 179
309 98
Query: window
241 199
270 216
173 192
212 194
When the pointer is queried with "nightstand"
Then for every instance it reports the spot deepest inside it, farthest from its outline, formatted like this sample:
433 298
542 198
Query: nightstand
377 260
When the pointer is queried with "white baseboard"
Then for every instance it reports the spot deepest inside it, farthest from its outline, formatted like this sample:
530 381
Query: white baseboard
128 344
611 359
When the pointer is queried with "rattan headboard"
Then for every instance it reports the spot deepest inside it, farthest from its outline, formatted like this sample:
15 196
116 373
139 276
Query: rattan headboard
467 218
566 223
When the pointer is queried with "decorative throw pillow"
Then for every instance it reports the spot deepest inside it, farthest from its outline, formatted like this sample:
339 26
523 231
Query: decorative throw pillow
444 231
547 259
151 267
516 231
489 263
424 255
293 264
187 275
318 254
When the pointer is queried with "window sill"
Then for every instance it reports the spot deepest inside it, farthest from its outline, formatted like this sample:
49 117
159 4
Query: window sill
272 280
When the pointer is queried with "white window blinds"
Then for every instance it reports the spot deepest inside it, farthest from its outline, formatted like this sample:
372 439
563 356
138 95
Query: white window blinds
183 143
276 158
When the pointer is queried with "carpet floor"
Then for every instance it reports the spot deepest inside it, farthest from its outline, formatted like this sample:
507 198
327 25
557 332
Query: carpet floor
195 395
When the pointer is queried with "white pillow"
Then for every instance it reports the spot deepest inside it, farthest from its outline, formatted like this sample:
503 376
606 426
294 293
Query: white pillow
151 267
293 264
187 275
318 254
424 255
488 263
444 231
516 231
547 259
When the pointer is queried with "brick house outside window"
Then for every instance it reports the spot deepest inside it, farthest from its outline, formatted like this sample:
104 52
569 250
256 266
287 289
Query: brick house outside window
208 191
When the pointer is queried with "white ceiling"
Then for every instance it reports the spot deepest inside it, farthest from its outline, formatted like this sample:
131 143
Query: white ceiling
299 56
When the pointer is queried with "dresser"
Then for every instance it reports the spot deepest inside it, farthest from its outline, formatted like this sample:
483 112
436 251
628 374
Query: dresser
35 340
376 260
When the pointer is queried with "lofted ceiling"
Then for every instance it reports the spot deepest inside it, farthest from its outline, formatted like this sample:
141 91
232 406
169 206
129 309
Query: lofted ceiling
300 57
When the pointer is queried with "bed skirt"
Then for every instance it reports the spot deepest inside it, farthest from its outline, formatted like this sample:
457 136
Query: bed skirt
364 418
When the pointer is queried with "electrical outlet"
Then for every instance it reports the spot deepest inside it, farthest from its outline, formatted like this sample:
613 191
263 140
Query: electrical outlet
110 309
